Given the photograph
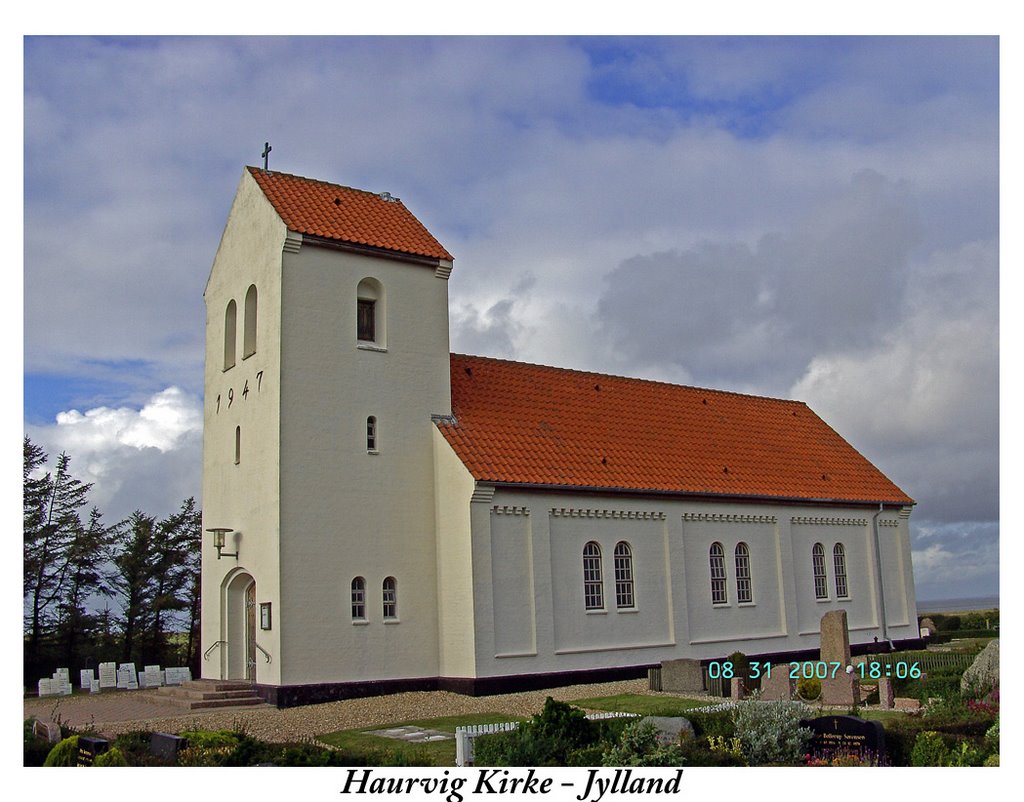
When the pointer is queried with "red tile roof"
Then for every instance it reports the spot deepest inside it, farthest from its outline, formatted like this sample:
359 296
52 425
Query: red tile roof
527 424
349 215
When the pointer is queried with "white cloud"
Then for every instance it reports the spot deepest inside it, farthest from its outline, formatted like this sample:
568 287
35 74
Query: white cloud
148 458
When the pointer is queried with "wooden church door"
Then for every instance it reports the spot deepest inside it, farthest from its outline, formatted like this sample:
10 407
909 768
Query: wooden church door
250 632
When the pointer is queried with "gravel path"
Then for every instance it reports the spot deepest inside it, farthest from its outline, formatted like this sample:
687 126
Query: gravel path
127 710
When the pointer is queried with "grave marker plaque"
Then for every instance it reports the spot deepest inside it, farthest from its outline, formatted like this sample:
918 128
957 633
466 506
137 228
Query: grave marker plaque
845 735
85 678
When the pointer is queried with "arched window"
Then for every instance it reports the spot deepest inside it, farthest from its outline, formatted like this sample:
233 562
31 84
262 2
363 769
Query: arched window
744 591
249 329
238 444
358 599
623 557
818 563
371 433
390 594
230 321
370 312
719 594
593 584
839 561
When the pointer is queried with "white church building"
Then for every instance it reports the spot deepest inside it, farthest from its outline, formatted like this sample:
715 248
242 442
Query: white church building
383 515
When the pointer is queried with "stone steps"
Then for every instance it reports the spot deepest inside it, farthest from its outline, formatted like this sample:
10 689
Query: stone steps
204 694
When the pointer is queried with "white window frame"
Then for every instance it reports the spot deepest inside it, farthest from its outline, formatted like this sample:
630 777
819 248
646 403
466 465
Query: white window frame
625 595
719 581
819 571
839 563
593 580
744 584
358 598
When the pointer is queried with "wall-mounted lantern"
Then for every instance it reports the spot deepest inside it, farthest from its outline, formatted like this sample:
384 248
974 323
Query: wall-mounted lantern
218 541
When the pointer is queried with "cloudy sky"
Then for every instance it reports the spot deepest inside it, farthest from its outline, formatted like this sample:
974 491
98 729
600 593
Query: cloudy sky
811 218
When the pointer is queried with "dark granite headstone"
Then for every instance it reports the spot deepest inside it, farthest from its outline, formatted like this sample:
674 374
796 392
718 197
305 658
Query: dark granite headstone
841 735
90 748
165 745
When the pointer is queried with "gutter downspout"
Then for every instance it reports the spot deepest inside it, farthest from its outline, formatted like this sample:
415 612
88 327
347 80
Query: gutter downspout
878 571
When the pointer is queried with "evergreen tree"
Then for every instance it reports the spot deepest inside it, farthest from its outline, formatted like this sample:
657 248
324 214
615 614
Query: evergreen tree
132 581
175 558
86 578
52 523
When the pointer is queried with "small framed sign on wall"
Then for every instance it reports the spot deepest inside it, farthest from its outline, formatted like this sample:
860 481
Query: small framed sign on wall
264 615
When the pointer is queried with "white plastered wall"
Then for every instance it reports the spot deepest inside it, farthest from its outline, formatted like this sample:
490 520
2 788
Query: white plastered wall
345 512
244 496
454 488
528 547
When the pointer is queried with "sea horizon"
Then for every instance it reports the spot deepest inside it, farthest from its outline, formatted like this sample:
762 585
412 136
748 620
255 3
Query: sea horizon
958 604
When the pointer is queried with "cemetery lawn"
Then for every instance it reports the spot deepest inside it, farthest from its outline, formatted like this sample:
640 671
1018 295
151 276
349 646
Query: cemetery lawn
399 753
642 704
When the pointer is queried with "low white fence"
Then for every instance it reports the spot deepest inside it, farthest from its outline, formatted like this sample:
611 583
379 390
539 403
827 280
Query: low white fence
464 735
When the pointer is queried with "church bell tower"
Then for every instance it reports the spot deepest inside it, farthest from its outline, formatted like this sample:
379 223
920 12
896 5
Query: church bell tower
327 361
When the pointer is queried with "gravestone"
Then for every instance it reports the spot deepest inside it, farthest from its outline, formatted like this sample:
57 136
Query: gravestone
46 687
153 675
886 696
108 675
127 677
737 688
670 729
90 748
94 686
165 745
844 735
778 685
682 676
85 678
177 675
46 731
844 688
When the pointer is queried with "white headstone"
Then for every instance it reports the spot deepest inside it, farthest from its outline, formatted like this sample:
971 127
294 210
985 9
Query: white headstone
94 686
46 687
85 678
108 675
178 675
142 680
125 675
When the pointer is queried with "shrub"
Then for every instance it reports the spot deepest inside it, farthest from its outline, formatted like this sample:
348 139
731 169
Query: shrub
741 668
770 732
64 753
699 752
719 723
964 754
929 750
639 746
112 757
549 739
992 760
809 688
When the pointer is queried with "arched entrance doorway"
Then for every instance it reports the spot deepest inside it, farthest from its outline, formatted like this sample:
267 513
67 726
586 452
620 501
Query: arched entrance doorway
240 627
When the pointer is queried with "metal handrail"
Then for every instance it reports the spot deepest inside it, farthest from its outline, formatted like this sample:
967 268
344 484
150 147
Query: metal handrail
206 654
265 652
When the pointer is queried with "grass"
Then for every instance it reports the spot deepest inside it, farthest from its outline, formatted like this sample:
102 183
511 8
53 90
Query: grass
435 753
642 704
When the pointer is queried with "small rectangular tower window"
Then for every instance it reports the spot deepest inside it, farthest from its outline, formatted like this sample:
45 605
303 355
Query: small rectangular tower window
367 320
371 433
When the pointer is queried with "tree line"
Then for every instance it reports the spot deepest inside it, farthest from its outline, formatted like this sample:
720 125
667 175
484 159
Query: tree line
125 592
